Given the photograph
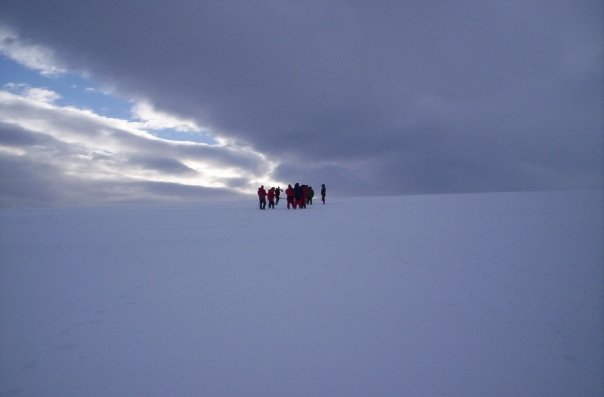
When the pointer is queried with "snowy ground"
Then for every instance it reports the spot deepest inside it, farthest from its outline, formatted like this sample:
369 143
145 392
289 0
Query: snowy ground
454 295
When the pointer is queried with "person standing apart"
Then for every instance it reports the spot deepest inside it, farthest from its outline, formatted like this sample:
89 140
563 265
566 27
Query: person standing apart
262 197
323 193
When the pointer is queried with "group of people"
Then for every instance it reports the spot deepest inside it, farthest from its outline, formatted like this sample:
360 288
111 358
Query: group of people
298 196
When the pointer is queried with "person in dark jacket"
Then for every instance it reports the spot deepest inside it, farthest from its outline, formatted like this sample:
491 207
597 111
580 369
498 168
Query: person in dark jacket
323 193
262 197
309 195
277 194
297 195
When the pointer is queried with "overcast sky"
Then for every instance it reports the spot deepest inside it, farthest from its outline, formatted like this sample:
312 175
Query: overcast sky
212 98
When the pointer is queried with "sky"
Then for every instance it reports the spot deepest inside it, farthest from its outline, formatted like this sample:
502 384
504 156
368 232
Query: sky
108 101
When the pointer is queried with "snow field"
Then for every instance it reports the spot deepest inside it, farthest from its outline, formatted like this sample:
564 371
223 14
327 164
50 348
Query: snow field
453 295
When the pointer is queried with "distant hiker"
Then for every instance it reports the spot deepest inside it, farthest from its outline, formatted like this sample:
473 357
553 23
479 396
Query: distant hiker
290 195
262 197
277 194
323 193
271 198
309 195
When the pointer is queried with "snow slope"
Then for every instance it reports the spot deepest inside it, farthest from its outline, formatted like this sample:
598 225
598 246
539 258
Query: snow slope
452 295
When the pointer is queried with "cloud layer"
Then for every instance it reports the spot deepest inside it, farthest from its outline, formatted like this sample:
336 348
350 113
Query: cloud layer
72 156
368 97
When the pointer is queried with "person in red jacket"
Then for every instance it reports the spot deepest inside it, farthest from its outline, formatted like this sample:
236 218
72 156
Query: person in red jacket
271 198
262 197
289 193
304 196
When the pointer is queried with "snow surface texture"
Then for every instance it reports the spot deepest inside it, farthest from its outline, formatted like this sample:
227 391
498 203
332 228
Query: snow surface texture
460 295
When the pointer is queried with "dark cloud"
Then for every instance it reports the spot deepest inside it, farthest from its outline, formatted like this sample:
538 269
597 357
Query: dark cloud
12 136
24 183
163 165
396 97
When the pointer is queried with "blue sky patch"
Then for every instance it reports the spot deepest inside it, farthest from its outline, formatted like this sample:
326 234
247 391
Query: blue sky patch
74 89
83 93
